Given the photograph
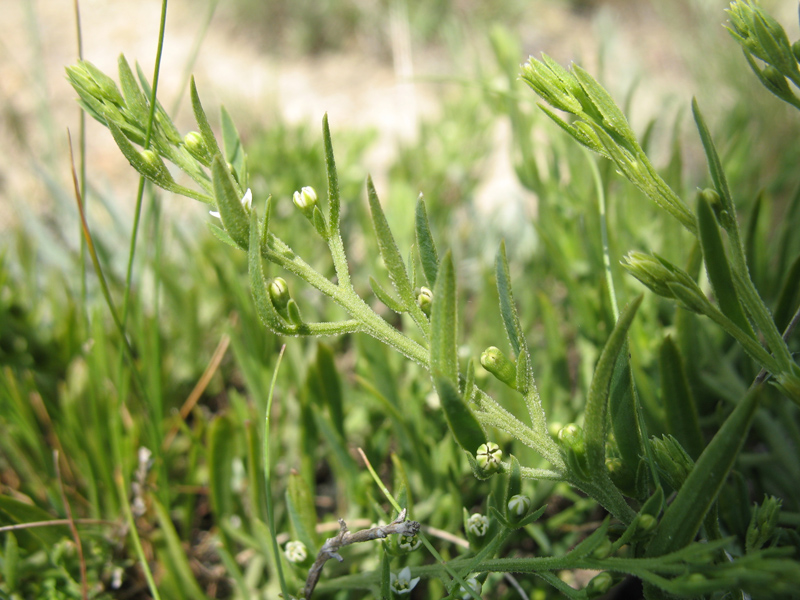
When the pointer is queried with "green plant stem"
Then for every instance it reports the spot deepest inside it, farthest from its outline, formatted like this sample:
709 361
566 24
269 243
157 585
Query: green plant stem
137 543
140 191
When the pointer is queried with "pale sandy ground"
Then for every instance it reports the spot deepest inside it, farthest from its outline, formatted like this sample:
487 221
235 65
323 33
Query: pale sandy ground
37 39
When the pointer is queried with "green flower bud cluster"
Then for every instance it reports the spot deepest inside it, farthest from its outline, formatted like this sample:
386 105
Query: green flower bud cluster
673 463
762 523
762 37
666 280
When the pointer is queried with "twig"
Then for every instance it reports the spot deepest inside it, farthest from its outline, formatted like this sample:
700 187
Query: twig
344 538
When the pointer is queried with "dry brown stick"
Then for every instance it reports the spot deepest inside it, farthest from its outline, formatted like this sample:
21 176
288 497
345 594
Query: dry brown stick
330 548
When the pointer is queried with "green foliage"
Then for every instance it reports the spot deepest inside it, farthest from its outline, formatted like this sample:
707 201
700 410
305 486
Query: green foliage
671 416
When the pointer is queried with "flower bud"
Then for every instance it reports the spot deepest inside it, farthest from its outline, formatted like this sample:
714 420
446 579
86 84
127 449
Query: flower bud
154 168
574 446
306 200
196 146
477 525
645 524
519 505
599 584
408 543
499 365
674 464
603 550
488 457
425 300
776 82
279 294
762 524
296 551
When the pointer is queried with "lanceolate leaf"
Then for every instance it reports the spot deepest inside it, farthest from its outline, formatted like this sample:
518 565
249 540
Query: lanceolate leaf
427 249
202 121
679 404
388 248
385 296
717 267
462 422
134 98
444 324
507 307
234 216
333 177
623 413
597 402
234 153
684 516
715 166
258 286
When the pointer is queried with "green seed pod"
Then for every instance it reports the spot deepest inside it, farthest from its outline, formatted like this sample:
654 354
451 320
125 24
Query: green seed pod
599 585
499 365
155 169
488 458
425 300
196 146
645 524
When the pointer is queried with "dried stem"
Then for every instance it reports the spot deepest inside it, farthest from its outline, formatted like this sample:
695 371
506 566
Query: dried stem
344 538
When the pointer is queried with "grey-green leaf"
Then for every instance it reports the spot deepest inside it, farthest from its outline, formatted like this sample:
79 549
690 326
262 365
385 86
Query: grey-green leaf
684 516
202 121
444 324
388 248
507 308
597 401
427 249
462 422
233 214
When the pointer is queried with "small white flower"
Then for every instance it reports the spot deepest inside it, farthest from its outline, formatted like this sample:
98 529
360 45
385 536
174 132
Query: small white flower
402 582
477 525
519 505
409 543
247 199
296 551
306 200
214 213
474 585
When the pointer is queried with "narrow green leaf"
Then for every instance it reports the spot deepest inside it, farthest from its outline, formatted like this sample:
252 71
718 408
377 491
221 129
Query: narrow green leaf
16 512
427 249
330 386
256 486
444 325
154 170
597 401
222 235
333 178
258 285
385 296
613 118
789 295
302 512
221 437
469 382
10 561
228 196
514 483
583 135
202 121
718 268
714 165
386 577
622 412
134 98
232 143
388 249
462 422
176 553
682 420
507 307
684 516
